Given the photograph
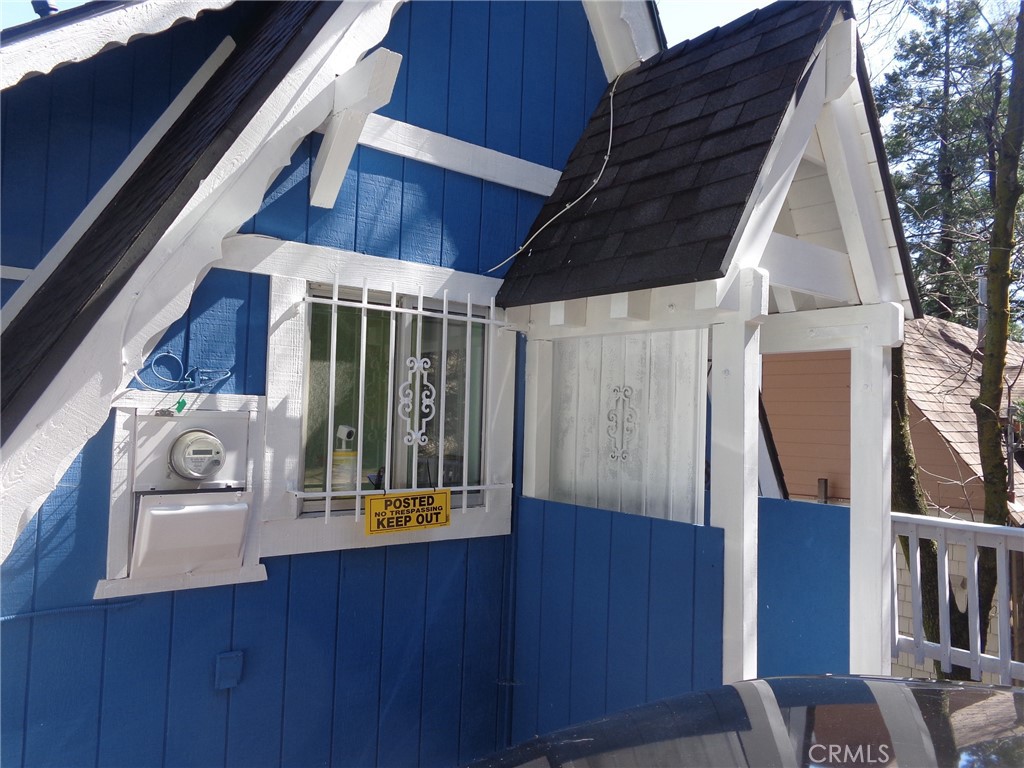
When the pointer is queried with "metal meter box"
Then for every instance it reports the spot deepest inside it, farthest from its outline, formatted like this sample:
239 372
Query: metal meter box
196 450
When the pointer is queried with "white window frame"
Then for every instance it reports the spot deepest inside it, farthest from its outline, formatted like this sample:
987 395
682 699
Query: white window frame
284 529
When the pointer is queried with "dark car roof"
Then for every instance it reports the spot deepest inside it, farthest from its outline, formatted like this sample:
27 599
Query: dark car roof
825 720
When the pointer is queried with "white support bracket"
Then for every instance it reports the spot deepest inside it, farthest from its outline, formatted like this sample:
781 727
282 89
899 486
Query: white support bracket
358 92
633 305
572 313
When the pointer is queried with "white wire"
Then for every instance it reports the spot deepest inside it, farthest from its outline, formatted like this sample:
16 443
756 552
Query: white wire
607 154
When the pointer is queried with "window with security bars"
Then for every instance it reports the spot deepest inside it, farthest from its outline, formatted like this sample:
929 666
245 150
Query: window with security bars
395 397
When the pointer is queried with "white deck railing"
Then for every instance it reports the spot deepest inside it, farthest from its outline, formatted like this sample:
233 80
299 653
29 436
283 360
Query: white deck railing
945 533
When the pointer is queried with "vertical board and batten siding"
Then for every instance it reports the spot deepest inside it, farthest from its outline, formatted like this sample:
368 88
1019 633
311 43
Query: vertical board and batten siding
803 588
611 610
396 655
624 436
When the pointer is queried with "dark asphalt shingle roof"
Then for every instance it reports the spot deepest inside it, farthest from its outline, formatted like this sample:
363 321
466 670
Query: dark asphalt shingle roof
692 128
57 318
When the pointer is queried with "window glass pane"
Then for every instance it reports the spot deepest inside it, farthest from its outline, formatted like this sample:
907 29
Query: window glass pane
421 385
432 469
319 441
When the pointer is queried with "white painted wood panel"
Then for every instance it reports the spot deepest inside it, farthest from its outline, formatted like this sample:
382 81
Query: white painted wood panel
627 423
588 435
564 402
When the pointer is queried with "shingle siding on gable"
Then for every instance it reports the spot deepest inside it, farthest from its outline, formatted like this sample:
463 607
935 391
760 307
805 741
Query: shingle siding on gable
692 126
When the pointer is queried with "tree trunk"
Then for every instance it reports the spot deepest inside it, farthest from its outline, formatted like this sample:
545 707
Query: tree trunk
986 405
907 496
946 269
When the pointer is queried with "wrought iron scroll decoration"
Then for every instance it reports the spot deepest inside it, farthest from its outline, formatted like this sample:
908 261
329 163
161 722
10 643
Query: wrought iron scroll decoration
621 422
416 401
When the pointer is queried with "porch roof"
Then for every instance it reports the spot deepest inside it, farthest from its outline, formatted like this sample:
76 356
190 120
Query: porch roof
666 198
692 128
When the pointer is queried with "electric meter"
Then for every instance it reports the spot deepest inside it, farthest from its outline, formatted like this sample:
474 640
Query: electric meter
197 454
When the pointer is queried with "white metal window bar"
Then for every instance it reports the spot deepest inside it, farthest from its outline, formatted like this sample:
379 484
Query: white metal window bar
947 532
417 395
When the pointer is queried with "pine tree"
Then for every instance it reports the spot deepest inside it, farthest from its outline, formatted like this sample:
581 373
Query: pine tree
944 104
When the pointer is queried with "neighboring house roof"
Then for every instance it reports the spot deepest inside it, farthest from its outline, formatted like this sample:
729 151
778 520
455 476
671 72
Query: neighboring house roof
692 128
943 367
42 45
61 313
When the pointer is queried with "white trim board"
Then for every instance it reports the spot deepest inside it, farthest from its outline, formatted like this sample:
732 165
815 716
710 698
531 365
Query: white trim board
13 273
320 263
53 47
624 33
415 143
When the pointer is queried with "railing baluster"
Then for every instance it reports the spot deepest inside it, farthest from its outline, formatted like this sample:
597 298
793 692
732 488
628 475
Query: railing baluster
894 603
947 532
915 597
974 624
1003 606
943 590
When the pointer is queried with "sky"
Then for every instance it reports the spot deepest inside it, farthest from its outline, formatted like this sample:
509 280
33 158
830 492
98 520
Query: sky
682 19
688 17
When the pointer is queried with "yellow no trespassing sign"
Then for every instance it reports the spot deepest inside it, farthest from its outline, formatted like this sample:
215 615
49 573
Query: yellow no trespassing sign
411 511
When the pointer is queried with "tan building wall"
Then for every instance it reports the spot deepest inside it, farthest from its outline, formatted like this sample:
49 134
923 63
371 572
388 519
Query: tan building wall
807 399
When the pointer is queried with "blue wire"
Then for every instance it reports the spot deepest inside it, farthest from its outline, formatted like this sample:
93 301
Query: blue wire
191 380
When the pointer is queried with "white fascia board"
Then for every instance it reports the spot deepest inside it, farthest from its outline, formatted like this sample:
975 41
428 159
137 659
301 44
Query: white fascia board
415 143
772 185
76 403
825 78
669 308
41 53
624 33
128 166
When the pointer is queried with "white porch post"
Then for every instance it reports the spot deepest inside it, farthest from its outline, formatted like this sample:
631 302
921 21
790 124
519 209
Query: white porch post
735 384
870 528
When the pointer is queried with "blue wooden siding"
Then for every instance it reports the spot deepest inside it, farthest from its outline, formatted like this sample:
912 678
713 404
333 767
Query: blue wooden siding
801 630
611 610
63 135
397 655
518 77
